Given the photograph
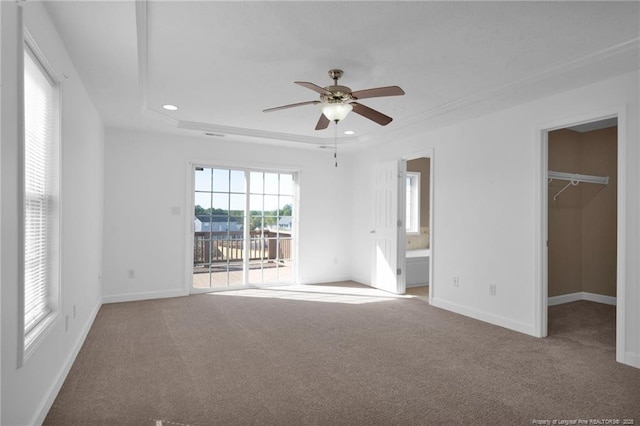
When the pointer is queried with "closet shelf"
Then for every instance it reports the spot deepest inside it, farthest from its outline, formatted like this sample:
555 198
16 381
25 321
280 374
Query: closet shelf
574 179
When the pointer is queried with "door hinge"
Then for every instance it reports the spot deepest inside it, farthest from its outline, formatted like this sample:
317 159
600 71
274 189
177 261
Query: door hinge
399 271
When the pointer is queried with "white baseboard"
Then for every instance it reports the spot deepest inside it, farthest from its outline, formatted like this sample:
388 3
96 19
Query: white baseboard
52 393
324 280
632 359
573 297
484 316
132 297
599 298
361 280
417 285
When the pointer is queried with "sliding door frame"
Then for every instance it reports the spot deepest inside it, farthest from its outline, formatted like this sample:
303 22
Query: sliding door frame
189 222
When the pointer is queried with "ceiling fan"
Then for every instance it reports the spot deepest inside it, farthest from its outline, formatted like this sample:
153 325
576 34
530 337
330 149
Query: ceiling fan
337 101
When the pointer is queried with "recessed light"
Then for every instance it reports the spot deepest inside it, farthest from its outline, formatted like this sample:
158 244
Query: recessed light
349 132
170 107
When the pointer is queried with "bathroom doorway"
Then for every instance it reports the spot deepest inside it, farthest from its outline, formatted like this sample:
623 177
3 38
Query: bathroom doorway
418 225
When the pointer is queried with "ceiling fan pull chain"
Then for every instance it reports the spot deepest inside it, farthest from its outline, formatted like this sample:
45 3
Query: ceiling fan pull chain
335 144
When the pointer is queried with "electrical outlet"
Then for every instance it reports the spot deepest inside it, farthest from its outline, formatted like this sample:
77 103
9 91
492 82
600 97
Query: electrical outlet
492 289
456 281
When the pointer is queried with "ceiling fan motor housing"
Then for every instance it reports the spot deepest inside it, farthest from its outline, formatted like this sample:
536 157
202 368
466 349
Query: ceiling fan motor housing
338 94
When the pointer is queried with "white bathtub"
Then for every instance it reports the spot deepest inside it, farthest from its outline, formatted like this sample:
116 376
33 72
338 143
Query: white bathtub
418 267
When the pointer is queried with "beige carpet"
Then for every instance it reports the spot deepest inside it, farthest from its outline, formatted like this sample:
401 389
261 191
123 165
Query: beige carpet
421 292
361 358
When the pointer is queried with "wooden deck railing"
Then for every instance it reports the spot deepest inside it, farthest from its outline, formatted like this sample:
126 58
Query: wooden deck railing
212 247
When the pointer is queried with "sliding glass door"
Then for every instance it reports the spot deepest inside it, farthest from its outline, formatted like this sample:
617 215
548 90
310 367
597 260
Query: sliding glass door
243 227
271 224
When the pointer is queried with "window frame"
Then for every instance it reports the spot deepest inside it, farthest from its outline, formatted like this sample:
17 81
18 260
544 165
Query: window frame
30 339
412 214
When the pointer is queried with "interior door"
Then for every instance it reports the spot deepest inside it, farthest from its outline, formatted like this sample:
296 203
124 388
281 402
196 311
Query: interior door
386 273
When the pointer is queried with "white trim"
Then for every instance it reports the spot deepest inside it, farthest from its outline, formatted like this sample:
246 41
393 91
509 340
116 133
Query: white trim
146 295
581 295
189 227
21 359
2 200
244 166
326 280
600 298
621 264
540 284
493 93
632 359
564 298
483 316
52 392
417 285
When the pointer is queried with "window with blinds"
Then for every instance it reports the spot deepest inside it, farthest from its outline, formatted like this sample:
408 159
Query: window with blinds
41 197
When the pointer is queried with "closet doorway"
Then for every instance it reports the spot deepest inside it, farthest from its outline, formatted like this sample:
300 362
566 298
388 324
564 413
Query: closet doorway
582 231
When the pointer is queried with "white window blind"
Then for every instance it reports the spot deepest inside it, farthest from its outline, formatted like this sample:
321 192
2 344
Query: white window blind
41 196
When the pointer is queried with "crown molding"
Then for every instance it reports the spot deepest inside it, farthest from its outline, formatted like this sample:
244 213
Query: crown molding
544 74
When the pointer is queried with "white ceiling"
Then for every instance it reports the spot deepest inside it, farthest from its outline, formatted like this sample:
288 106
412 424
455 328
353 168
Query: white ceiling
222 63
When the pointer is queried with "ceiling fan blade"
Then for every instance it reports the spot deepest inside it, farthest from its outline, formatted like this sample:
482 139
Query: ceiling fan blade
371 114
313 87
290 106
378 92
323 122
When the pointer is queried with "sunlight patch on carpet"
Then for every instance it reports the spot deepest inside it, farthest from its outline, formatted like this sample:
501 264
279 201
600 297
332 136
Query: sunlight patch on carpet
316 293
156 422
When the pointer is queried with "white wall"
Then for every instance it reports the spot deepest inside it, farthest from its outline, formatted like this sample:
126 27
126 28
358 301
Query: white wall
34 386
147 174
485 195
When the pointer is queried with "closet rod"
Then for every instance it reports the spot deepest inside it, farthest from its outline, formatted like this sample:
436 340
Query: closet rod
574 179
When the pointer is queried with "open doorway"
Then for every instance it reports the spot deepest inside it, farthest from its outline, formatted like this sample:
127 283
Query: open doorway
418 226
583 246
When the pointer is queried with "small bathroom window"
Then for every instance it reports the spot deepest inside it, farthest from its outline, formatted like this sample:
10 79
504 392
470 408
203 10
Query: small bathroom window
413 203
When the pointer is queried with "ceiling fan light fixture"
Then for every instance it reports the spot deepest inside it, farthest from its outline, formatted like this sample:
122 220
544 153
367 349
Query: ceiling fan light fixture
336 111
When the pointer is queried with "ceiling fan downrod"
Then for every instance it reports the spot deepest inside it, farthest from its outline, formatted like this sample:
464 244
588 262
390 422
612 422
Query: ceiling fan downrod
335 76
